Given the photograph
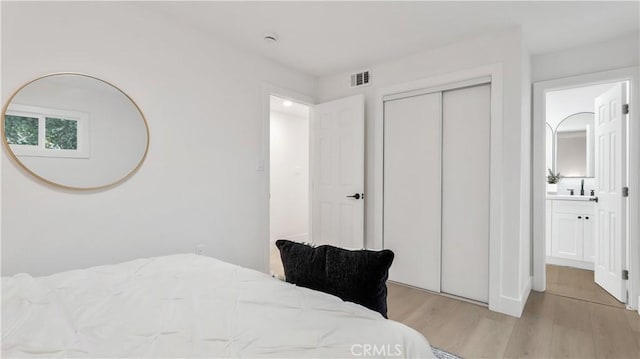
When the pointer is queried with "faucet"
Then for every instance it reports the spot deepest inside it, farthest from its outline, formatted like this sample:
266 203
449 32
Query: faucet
582 187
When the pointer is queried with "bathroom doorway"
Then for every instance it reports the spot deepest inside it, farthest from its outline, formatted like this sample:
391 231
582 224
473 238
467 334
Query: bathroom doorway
288 175
583 250
575 166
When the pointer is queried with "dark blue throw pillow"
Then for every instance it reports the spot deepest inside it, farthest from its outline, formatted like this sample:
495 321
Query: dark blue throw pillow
355 276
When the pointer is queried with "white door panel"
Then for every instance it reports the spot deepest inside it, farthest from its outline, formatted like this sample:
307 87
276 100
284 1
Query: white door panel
337 171
412 189
610 160
466 116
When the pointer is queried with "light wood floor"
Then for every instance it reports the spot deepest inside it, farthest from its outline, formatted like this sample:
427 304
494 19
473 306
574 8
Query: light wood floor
578 284
552 326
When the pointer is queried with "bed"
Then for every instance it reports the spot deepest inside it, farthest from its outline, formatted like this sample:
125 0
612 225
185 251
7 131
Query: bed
188 305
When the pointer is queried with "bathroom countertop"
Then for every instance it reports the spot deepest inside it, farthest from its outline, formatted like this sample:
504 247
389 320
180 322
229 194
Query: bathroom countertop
566 197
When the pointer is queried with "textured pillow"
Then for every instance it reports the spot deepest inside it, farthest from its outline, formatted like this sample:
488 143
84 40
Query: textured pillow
355 276
303 265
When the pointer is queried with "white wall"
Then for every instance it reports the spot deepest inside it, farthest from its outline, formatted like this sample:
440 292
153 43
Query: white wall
574 183
526 232
563 103
504 47
617 53
289 176
204 102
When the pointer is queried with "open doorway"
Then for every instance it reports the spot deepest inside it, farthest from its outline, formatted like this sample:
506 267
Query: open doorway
289 175
585 214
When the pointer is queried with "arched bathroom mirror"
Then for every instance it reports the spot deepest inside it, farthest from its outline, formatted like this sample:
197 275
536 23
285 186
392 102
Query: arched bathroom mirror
75 131
574 145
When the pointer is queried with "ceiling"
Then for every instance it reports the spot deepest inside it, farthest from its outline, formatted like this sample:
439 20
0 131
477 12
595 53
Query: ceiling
295 109
322 38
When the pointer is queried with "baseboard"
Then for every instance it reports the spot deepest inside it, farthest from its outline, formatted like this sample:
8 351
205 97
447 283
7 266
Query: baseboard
514 306
570 263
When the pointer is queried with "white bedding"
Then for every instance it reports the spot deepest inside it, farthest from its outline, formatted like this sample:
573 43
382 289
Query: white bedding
189 306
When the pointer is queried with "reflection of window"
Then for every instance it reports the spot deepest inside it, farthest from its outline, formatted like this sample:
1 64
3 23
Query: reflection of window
61 134
38 131
21 130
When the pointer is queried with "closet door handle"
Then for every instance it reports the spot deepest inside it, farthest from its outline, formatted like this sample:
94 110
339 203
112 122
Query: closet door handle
586 217
579 217
356 196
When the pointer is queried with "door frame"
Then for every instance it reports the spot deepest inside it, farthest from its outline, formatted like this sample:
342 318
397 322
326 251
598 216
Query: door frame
263 161
630 74
496 301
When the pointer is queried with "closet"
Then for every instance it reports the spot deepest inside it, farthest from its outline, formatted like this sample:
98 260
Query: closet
436 188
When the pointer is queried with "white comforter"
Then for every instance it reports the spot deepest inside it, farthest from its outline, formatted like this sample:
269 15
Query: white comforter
189 306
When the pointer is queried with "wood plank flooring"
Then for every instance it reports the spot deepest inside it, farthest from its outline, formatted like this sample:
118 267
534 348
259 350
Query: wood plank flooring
551 326
579 284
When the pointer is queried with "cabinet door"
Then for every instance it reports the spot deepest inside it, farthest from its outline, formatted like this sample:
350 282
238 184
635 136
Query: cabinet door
567 235
588 243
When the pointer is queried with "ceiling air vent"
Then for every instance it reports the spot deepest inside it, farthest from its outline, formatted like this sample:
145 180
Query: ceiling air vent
361 78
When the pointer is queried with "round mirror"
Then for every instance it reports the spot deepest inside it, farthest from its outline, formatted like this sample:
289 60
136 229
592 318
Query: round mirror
575 145
75 131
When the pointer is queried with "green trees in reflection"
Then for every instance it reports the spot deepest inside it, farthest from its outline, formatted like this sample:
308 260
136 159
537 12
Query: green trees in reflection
61 134
21 130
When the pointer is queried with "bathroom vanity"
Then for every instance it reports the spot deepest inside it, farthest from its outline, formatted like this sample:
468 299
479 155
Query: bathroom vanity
570 230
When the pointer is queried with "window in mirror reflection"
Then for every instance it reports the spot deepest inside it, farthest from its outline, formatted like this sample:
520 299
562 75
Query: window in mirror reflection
21 130
61 134
46 132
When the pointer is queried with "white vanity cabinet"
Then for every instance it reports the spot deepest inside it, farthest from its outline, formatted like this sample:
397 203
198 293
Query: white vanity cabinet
588 251
572 233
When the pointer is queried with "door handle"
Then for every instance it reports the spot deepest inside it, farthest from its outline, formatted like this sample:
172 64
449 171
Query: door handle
595 199
356 196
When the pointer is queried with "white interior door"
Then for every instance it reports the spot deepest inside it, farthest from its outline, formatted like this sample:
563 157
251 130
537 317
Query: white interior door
412 188
610 164
466 121
337 173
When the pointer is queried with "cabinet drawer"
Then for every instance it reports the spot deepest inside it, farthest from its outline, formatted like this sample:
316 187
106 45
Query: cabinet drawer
575 207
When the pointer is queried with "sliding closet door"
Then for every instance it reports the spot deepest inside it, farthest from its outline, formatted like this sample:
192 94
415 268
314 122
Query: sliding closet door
465 192
412 153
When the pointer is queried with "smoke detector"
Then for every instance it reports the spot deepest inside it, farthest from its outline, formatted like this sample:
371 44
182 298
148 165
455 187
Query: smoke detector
270 38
